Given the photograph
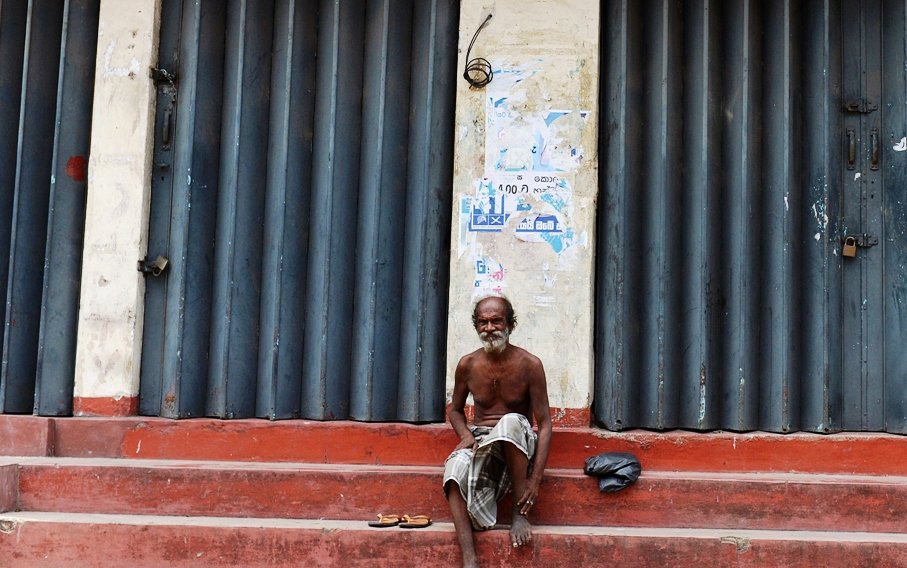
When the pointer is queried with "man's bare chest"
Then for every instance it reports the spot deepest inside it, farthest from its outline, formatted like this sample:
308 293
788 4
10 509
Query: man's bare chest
498 384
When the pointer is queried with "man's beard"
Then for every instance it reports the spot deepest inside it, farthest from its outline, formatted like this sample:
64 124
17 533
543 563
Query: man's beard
494 341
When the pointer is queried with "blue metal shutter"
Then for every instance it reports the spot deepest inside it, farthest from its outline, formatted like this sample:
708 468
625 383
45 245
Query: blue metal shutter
47 62
723 300
304 157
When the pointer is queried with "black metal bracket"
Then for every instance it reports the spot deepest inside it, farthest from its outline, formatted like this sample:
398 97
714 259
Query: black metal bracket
862 241
162 76
863 106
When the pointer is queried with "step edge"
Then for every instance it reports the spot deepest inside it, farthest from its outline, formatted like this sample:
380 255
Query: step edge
304 467
10 522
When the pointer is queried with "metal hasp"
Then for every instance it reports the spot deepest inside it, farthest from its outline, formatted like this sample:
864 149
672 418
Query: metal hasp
862 106
853 242
166 83
864 240
162 76
154 267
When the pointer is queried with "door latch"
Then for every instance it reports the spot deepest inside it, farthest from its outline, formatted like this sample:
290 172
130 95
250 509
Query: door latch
861 106
161 75
852 242
153 267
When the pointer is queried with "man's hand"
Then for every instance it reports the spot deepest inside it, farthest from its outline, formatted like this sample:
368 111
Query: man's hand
467 441
529 496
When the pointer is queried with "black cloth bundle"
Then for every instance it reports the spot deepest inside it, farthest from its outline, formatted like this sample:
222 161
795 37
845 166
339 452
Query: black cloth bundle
614 470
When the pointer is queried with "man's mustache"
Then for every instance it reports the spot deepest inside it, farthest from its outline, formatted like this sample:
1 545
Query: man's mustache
491 334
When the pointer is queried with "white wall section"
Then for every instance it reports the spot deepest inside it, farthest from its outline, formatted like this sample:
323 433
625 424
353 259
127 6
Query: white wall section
525 184
111 311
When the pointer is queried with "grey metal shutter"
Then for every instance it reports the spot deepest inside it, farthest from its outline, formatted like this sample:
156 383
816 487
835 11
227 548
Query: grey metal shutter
47 62
741 143
303 160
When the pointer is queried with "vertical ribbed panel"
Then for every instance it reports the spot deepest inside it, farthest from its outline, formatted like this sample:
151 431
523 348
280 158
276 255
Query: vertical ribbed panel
287 210
723 300
240 209
331 180
30 204
779 344
742 216
47 61
423 331
13 17
821 333
174 379
382 191
66 222
659 229
700 309
332 233
162 181
893 202
868 201
854 83
617 251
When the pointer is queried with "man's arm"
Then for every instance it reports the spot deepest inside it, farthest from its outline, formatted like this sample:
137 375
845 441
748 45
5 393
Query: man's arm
458 406
538 391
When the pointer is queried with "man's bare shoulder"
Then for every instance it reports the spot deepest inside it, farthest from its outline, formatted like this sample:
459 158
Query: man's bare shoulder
526 356
470 359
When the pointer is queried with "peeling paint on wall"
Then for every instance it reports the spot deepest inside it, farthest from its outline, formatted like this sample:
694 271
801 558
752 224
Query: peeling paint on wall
525 178
820 214
110 70
531 151
490 277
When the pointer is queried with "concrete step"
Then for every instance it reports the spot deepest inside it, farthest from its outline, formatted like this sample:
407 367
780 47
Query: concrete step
408 444
85 540
359 492
300 493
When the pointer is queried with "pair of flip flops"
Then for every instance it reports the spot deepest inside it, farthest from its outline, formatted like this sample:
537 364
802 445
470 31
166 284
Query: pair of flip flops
405 521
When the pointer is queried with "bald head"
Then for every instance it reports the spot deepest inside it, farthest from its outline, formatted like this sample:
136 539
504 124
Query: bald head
494 301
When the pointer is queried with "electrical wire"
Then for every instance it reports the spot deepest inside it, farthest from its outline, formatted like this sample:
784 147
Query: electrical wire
477 72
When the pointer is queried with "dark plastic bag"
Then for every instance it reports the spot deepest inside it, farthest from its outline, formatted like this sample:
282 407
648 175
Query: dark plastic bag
614 470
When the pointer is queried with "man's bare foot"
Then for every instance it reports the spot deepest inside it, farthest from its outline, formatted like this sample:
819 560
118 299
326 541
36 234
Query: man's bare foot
520 530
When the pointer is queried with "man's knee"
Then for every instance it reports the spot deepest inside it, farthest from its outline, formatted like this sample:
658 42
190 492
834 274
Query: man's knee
514 456
451 483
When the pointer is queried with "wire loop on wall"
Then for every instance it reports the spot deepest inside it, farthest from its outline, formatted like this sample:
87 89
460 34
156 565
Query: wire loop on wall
478 72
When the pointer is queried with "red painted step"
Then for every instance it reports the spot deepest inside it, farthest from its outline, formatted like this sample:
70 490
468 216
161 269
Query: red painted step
356 470
43 539
9 487
407 444
665 499
26 435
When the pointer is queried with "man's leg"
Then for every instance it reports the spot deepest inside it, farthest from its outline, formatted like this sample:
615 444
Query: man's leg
462 524
518 467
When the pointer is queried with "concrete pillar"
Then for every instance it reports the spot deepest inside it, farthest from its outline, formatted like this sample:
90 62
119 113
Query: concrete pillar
525 185
119 183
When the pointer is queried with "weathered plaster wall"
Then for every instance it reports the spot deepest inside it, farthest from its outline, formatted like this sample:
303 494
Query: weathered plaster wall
525 184
110 319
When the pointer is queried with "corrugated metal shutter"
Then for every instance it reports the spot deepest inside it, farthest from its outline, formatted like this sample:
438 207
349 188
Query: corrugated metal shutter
723 300
304 204
47 62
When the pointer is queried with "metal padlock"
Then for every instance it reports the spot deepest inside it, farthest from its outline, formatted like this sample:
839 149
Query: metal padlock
850 247
153 267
